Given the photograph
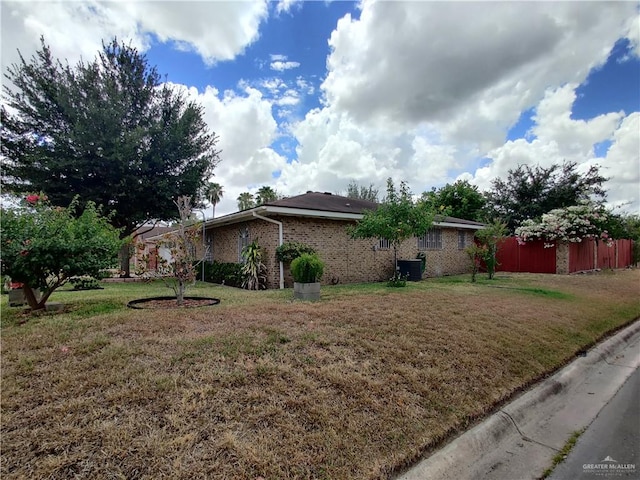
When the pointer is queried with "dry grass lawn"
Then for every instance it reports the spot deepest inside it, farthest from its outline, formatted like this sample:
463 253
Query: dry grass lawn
353 387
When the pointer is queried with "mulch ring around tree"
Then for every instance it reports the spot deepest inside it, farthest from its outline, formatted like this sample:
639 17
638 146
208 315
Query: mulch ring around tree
170 302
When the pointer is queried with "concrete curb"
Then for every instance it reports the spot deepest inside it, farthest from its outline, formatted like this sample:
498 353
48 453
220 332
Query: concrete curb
519 441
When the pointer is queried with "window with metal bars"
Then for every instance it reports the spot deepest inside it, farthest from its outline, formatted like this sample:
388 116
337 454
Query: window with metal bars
432 240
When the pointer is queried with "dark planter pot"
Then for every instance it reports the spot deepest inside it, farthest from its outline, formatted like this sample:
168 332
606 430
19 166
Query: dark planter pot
306 291
18 299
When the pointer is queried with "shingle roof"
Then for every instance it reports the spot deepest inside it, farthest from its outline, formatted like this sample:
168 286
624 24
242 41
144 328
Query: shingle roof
146 233
327 202
459 220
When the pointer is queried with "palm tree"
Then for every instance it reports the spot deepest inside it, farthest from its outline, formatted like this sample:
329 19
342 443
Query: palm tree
214 193
266 194
245 201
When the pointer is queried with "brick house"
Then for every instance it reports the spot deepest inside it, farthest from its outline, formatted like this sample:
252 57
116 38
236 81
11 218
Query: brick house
320 220
145 239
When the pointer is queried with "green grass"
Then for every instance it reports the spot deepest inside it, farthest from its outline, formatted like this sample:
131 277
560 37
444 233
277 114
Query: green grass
563 453
355 386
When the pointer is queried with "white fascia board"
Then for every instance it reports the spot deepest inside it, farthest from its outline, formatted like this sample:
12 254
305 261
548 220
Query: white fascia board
459 226
233 218
301 212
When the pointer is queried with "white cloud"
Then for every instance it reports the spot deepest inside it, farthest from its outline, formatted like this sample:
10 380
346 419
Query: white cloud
470 68
622 164
634 34
560 138
422 91
334 149
418 91
246 128
305 86
290 98
282 66
215 30
287 5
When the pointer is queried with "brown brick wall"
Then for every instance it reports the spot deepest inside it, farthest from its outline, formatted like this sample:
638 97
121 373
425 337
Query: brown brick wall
449 260
346 260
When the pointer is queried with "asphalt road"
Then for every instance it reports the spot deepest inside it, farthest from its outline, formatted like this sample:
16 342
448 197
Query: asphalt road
610 447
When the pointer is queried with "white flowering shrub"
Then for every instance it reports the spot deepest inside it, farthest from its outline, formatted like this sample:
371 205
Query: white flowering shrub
569 224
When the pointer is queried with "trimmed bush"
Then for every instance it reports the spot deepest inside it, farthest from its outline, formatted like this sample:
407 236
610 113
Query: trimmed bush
289 251
307 268
85 283
223 273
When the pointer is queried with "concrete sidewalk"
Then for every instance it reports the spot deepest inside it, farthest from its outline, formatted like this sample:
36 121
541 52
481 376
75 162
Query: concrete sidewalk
520 440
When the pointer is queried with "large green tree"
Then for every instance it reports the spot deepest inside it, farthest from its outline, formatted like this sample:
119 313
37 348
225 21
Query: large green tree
460 200
529 192
44 246
108 131
396 219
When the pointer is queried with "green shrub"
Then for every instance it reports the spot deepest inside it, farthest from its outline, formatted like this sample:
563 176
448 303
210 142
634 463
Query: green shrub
398 280
289 251
85 283
307 268
223 273
253 271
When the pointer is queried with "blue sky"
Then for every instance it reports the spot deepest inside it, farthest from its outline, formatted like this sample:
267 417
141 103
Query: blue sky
313 95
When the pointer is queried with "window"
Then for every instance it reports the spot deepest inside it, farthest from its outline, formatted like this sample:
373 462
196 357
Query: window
243 241
192 249
462 239
431 240
384 244
209 248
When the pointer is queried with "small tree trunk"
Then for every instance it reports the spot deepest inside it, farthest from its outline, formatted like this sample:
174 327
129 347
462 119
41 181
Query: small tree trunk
491 265
33 301
180 293
124 256
395 259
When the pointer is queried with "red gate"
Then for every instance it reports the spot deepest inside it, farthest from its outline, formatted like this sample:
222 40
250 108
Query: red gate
581 256
607 255
531 257
625 253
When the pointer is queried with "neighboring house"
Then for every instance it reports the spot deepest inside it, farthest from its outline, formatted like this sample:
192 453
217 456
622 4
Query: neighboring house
145 245
321 220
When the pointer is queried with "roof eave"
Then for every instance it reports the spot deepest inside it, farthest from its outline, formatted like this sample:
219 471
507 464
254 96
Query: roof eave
245 215
459 226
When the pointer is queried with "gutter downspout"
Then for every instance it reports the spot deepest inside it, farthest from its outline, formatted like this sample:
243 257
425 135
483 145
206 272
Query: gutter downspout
280 241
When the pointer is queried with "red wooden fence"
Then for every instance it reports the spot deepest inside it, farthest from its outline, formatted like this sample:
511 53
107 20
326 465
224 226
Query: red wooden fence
581 256
531 257
607 255
625 253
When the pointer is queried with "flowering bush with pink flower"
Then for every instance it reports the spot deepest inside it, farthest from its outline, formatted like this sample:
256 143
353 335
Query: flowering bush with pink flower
43 247
569 224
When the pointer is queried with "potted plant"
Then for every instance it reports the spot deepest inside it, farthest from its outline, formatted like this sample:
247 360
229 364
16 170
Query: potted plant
307 270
